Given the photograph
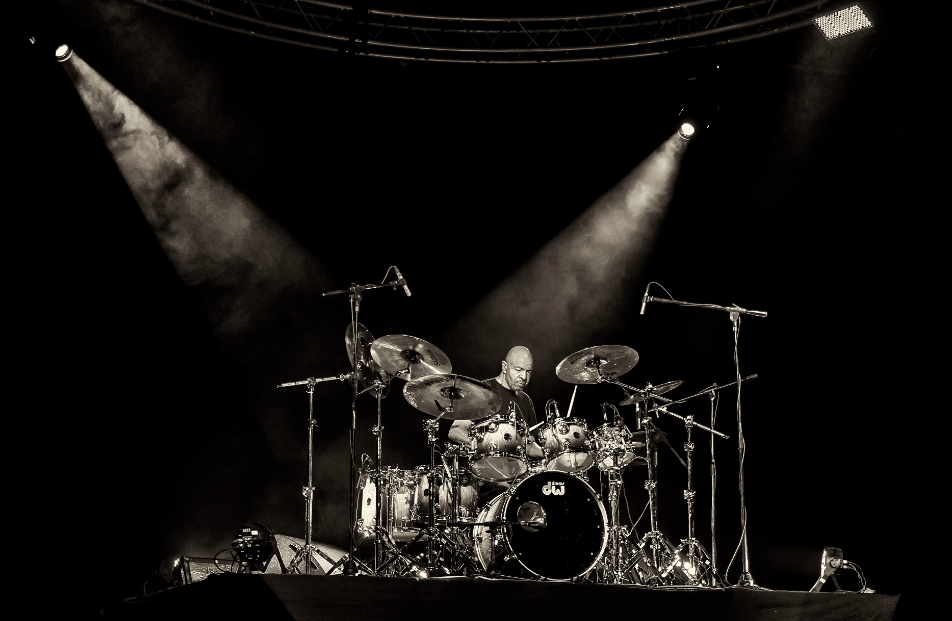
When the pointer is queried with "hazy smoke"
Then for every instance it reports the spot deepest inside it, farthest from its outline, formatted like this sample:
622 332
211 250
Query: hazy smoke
572 285
213 234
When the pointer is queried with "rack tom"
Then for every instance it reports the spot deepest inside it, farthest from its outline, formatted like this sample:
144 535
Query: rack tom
617 447
499 447
566 445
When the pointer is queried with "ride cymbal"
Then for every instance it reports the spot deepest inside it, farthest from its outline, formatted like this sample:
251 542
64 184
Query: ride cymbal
408 357
451 397
596 364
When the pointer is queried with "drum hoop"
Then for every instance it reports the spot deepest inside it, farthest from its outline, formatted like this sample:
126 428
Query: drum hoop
497 418
563 452
581 422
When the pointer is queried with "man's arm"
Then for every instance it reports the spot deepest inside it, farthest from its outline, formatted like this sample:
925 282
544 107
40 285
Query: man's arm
459 432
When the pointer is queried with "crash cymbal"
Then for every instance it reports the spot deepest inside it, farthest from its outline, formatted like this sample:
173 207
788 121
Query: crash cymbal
369 371
650 392
408 357
451 397
595 364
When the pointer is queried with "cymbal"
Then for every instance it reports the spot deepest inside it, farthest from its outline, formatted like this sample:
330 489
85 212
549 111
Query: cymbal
408 357
594 364
369 370
451 397
651 392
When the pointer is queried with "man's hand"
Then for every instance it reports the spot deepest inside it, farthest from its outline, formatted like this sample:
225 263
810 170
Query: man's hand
459 432
533 450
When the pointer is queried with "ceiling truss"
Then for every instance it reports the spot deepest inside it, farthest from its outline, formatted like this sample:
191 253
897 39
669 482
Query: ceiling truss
640 32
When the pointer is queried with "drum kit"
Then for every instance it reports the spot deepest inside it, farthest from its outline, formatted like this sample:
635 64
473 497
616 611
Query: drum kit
549 523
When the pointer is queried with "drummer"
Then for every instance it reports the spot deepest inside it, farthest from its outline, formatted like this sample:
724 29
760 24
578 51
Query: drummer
509 386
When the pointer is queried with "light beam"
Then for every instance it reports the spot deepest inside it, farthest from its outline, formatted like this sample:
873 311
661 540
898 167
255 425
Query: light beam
213 234
571 286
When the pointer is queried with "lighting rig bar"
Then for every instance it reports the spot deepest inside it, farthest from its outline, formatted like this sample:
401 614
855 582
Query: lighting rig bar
637 33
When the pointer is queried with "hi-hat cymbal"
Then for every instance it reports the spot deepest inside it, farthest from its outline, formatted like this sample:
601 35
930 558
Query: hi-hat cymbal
595 364
368 371
651 392
451 397
408 357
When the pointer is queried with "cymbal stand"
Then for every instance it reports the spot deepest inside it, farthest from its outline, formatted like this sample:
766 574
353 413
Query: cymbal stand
378 432
699 566
653 538
305 554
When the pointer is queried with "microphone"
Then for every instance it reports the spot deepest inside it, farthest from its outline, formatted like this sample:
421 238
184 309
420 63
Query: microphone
604 412
644 298
406 289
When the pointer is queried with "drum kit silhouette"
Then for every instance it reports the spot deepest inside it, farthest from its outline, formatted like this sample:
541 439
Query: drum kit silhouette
549 523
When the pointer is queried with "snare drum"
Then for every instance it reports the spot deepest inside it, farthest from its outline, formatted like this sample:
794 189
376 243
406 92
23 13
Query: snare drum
565 442
499 444
617 447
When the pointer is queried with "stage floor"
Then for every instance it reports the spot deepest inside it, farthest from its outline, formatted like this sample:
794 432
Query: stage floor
342 598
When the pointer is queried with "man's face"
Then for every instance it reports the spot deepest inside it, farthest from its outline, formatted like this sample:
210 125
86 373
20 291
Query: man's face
517 370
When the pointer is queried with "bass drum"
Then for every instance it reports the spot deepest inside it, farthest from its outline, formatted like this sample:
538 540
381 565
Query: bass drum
551 523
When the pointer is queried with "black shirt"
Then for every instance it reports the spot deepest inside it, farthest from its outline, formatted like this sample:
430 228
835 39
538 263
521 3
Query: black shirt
525 410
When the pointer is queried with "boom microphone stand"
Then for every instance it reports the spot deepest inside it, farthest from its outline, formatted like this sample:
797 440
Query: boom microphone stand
356 294
735 312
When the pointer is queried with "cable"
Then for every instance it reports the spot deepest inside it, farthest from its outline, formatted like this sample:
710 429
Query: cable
860 575
387 274
642 514
662 286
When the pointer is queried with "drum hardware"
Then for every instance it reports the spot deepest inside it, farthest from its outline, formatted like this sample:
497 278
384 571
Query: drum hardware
735 315
305 555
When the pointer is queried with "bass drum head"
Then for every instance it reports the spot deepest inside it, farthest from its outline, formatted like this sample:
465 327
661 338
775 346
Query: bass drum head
568 526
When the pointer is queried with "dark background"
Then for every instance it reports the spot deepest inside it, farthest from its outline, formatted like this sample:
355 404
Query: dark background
808 198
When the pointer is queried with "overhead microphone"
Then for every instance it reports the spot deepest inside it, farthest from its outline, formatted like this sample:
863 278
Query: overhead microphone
644 299
406 289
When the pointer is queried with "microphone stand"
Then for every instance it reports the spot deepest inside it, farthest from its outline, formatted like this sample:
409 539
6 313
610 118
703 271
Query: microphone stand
356 295
735 312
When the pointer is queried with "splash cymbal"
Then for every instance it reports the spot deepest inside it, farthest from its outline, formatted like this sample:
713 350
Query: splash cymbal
368 370
595 364
408 357
451 397
650 392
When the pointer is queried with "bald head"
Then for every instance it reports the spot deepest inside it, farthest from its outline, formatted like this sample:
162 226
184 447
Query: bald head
516 368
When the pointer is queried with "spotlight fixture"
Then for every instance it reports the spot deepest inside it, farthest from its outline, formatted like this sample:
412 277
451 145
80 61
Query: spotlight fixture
843 22
830 563
63 53
686 131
